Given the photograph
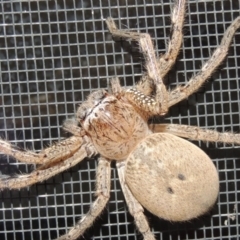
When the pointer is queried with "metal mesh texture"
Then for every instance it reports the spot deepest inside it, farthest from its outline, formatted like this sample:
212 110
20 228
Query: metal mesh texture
54 53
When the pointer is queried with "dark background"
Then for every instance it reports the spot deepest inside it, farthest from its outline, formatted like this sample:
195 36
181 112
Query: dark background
54 53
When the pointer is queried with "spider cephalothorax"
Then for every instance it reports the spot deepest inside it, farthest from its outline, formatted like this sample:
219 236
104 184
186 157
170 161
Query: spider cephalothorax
157 169
112 123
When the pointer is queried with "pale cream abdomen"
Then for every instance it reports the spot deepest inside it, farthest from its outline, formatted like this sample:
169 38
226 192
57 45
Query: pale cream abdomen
172 178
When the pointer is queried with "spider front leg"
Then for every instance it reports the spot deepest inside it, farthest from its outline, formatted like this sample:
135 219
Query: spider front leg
52 160
156 69
135 208
146 47
22 156
52 154
103 180
167 60
47 170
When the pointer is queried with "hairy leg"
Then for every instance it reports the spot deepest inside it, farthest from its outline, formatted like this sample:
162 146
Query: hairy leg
57 152
166 61
30 157
39 175
103 180
207 69
135 208
146 46
196 133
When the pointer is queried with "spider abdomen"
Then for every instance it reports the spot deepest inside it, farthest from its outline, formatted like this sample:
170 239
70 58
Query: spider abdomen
172 178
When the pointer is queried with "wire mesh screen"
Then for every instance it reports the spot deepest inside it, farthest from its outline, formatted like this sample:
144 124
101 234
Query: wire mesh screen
54 53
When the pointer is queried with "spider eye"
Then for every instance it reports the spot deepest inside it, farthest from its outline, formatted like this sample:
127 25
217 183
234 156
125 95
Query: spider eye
93 100
97 96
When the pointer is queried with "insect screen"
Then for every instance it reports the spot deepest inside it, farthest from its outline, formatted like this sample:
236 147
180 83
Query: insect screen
54 53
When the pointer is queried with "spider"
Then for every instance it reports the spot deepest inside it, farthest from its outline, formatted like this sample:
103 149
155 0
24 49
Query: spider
158 170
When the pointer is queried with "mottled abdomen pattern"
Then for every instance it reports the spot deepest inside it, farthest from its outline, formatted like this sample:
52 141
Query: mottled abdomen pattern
171 177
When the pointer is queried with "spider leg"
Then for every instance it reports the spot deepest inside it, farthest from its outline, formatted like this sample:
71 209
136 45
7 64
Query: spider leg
135 208
22 156
196 133
103 180
39 175
57 152
166 61
146 46
207 69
